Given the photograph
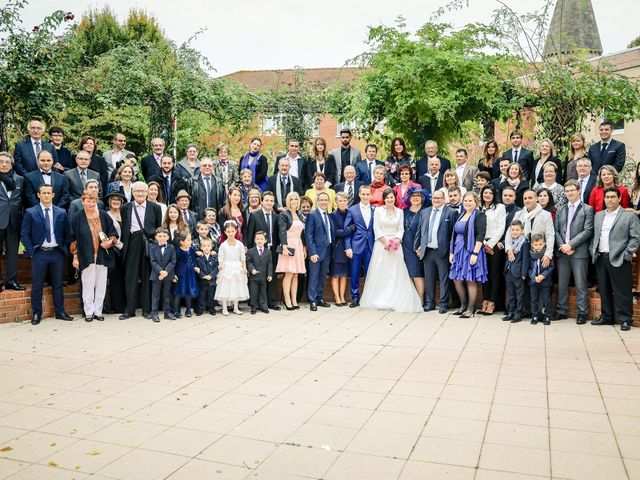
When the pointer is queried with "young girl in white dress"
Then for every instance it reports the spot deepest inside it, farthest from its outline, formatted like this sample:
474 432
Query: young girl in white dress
232 275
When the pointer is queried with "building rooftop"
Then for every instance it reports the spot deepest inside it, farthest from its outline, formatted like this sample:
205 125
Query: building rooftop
573 27
268 79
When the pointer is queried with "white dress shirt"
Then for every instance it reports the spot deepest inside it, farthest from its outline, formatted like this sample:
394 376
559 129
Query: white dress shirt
460 172
366 213
607 225
293 171
53 242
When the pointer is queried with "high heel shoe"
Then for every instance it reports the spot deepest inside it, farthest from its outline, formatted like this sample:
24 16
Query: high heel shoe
461 310
295 307
288 307
468 314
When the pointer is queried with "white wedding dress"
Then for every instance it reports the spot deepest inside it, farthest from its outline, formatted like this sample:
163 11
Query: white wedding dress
387 285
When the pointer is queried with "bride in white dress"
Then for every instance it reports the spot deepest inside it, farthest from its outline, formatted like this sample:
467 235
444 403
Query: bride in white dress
387 285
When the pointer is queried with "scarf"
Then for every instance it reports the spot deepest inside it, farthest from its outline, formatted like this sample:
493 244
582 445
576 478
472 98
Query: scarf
514 182
8 180
526 217
377 184
517 243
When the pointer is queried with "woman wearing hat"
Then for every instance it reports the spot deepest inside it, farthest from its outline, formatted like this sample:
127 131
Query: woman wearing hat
115 297
402 189
415 196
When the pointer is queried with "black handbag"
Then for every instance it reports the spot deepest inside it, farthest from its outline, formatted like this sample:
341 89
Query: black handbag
291 250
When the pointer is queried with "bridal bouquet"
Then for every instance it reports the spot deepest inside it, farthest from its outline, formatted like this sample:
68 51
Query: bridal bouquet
393 244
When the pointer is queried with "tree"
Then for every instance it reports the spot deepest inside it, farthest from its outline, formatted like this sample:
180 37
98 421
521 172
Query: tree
634 43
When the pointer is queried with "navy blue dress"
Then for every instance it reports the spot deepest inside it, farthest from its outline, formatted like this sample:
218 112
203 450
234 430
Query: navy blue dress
340 264
415 267
187 285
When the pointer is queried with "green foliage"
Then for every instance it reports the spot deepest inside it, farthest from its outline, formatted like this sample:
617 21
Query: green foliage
634 43
98 33
143 28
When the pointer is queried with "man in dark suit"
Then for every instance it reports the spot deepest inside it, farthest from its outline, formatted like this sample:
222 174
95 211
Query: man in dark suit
431 244
296 162
79 175
45 174
140 219
517 153
63 154
432 180
26 152
586 179
350 186
282 183
501 181
151 163
170 179
574 228
260 269
319 234
183 200
364 168
207 189
344 155
266 220
11 193
431 150
607 151
45 230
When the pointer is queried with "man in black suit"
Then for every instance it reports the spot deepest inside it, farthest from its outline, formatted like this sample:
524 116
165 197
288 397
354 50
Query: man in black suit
46 174
350 186
501 181
431 244
432 180
344 155
607 151
11 192
140 219
63 154
183 200
26 152
296 162
79 175
282 183
170 180
207 189
431 150
517 153
266 220
364 168
586 179
151 163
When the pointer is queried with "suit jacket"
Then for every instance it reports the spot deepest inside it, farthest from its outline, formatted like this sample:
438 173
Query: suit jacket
425 183
108 159
34 233
315 232
540 178
624 237
546 272
159 262
177 183
152 220
616 155
468 175
11 207
498 183
263 264
519 268
293 185
76 206
525 159
81 234
588 187
581 229
207 267
199 194
340 187
422 165
257 222
150 167
301 162
362 236
98 165
448 218
193 220
310 169
64 157
60 184
76 188
354 157
363 174
24 157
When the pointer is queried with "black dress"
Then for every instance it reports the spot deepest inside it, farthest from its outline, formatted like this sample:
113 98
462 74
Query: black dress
415 267
340 265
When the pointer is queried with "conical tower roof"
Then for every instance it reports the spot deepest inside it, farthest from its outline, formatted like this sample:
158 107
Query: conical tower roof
573 27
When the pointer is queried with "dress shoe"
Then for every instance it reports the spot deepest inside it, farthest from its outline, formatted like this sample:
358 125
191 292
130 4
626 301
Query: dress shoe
169 316
14 286
238 312
253 311
508 317
546 320
428 309
354 304
625 326
313 306
188 314
322 303
146 315
561 316
155 317
125 316
212 312
602 321
461 310
35 320
535 320
274 306
468 314
64 316
296 307
264 310
88 319
442 310
582 319
338 304
99 318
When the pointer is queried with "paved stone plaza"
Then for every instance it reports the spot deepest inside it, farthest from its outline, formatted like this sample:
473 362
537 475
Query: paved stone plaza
340 394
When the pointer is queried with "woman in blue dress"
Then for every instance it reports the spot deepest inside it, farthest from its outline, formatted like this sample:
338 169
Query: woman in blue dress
340 266
415 267
467 257
186 283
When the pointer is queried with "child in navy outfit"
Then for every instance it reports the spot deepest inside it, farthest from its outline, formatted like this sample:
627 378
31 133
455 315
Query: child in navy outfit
541 281
185 282
163 261
207 264
515 273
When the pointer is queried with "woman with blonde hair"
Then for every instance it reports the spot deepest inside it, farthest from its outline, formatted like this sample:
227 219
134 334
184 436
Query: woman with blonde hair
547 154
451 180
577 150
292 250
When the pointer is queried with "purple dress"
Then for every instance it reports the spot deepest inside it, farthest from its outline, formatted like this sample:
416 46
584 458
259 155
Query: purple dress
461 269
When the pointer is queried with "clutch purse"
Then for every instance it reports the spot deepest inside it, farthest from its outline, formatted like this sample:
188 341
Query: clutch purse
291 250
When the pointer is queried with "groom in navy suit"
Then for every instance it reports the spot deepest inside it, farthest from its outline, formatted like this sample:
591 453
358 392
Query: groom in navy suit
359 241
320 234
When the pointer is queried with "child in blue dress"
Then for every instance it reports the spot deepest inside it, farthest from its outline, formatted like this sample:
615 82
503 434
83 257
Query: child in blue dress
185 282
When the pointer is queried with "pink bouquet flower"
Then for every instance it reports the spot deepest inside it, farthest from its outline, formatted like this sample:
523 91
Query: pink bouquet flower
393 244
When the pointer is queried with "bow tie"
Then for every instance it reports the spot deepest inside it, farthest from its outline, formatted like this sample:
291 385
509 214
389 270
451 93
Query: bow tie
45 173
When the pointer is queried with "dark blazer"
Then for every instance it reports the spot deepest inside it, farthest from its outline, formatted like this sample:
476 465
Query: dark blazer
81 234
616 155
76 188
363 174
425 183
548 278
193 220
99 165
177 183
64 157
309 169
540 178
301 162
581 229
480 230
152 220
294 185
361 236
263 264
159 262
422 165
448 219
76 206
509 218
525 159
150 167
34 233
340 187
498 183
315 232
207 267
338 254
520 189
60 184
588 187
24 158
11 207
285 220
519 268
257 222
199 194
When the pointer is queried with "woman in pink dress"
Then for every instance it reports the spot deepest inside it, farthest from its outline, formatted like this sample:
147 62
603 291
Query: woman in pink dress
401 190
292 251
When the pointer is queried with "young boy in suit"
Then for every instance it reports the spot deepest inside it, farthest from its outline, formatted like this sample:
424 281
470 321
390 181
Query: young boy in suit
515 272
260 268
541 281
163 262
208 265
202 230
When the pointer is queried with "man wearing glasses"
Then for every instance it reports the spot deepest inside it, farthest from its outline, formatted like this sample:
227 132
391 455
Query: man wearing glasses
26 153
151 163
115 156
11 192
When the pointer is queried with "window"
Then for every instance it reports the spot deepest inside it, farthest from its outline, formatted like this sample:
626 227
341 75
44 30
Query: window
272 126
618 127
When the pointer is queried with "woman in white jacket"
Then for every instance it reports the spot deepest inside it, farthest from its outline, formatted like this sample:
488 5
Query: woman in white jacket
496 217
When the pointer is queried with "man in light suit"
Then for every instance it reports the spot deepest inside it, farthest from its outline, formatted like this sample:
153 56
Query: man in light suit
359 241
431 150
350 186
432 180
431 244
319 234
616 238
465 171
574 229
11 193
114 156
344 155
78 176
517 153
364 168
46 174
607 151
283 183
26 152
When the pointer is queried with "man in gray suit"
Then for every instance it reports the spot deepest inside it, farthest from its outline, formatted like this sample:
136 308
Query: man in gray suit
344 155
78 176
616 238
11 192
465 171
113 157
574 228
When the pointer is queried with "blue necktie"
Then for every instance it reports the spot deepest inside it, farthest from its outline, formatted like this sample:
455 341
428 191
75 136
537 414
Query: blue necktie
47 222
431 221
327 226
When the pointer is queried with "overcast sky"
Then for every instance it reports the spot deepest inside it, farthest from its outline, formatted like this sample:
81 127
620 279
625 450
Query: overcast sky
262 34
